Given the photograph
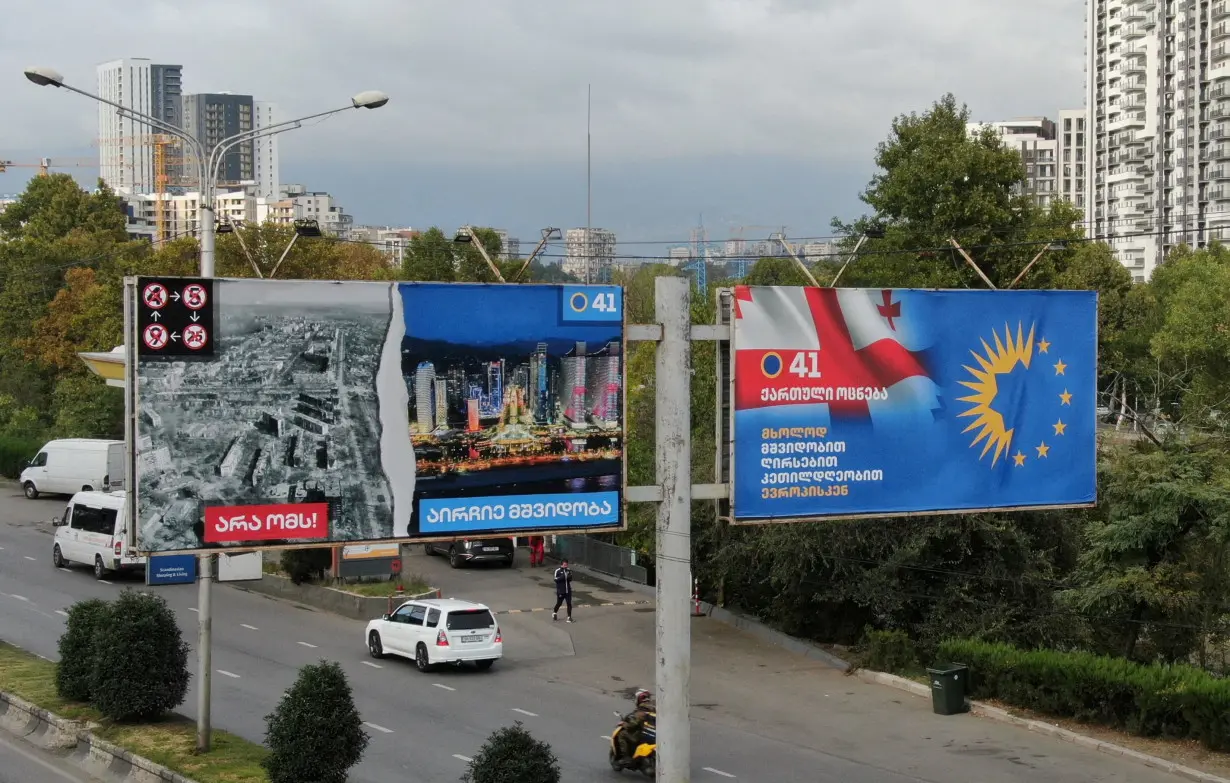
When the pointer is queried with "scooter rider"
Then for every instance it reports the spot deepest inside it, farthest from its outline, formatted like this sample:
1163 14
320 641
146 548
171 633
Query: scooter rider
634 725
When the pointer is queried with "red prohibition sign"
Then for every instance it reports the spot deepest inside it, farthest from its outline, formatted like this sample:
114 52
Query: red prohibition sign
155 337
194 296
155 296
195 336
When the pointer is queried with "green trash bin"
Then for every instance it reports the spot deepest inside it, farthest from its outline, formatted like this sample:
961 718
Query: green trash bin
948 684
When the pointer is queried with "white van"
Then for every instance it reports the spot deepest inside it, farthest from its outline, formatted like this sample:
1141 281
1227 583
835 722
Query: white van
92 532
75 465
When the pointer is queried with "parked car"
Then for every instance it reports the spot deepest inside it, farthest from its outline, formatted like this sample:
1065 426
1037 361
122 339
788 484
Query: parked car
92 532
464 551
73 465
434 631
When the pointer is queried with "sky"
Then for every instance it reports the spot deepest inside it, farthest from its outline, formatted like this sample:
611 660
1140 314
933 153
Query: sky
756 113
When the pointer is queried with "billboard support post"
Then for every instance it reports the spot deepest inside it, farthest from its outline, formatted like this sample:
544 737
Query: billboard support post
204 652
674 534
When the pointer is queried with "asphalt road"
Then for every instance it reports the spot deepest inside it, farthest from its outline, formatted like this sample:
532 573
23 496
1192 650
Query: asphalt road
759 713
21 762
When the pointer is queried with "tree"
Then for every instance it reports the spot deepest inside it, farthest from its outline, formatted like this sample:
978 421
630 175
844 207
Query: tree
512 755
55 206
141 660
430 257
471 267
937 181
315 735
75 669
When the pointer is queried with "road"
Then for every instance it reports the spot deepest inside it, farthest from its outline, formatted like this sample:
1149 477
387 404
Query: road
21 762
759 713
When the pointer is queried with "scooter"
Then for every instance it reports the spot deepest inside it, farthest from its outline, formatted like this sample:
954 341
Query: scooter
644 758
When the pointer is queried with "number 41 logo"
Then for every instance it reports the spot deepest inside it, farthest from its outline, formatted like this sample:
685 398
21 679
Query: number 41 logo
806 364
604 303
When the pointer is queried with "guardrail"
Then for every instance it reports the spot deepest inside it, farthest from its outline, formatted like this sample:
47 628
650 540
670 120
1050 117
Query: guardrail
600 556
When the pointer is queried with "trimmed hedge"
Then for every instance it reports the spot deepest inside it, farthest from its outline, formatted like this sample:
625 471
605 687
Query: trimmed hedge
1148 700
15 454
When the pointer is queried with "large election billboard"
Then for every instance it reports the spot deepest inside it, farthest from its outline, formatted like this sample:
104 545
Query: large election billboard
855 402
305 412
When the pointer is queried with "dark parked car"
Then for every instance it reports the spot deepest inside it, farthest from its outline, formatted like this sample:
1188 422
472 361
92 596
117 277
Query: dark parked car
464 551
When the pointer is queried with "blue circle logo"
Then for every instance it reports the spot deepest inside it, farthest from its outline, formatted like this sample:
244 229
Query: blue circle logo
771 365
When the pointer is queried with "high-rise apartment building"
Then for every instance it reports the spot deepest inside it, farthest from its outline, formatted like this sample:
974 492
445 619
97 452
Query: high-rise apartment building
125 153
589 254
1035 139
1158 93
212 117
1070 131
265 152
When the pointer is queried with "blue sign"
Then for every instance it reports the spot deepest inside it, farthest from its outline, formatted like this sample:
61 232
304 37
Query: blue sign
516 407
592 303
565 511
170 570
853 402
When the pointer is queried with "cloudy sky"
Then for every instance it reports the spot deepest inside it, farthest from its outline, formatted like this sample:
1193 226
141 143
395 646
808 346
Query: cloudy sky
748 112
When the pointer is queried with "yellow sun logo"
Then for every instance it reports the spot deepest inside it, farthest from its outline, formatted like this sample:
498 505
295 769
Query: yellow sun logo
994 362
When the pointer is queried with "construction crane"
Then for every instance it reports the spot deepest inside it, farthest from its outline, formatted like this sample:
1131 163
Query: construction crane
45 165
168 156
739 266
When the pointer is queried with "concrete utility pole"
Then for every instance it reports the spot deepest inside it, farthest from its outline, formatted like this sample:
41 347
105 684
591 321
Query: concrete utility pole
673 386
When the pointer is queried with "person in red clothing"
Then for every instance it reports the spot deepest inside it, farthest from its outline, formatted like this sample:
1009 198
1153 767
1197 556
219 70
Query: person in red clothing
537 553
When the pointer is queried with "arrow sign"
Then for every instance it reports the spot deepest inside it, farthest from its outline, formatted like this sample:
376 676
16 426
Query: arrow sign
194 318
175 336
155 315
175 295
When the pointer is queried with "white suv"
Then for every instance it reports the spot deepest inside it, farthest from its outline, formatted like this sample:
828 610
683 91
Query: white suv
438 630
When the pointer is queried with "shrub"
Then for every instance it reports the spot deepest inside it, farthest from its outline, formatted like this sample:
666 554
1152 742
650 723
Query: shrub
512 755
140 661
15 454
315 734
1145 699
302 565
890 651
75 671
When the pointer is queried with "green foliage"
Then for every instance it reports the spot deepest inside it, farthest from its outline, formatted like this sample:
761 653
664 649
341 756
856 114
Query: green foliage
315 735
512 755
889 651
303 565
75 669
140 661
15 454
1148 700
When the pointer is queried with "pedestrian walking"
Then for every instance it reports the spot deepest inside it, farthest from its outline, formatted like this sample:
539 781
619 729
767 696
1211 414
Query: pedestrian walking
563 590
537 551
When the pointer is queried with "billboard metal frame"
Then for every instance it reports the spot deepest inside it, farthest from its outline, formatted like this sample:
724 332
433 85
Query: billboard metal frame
724 462
132 414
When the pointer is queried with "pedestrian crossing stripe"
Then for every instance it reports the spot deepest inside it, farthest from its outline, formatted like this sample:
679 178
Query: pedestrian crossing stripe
577 606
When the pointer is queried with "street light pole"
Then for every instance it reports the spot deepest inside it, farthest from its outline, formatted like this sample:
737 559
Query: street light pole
207 175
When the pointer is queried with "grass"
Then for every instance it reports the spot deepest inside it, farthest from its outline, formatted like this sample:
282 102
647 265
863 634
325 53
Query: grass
411 585
170 742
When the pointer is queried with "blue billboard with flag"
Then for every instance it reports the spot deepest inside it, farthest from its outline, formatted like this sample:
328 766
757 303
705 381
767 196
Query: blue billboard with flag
860 402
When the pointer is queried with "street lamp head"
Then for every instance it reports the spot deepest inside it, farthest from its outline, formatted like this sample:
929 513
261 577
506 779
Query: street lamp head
551 233
368 99
45 77
464 235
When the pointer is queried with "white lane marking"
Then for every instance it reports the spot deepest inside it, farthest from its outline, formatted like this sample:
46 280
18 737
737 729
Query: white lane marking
104 581
249 627
194 609
718 772
525 712
31 559
466 759
379 728
66 570
444 687
62 612
18 597
305 644
225 673
373 665
605 738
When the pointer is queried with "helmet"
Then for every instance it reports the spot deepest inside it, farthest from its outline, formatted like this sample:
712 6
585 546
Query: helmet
643 696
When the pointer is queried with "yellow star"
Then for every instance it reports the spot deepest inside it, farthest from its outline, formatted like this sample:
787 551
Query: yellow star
1042 450
1060 367
1067 398
1043 345
1059 427
1019 458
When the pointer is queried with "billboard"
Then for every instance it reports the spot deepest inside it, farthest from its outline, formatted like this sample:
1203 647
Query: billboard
270 413
170 570
855 402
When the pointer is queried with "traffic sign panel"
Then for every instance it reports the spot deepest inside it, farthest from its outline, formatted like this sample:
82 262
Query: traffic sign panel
183 310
